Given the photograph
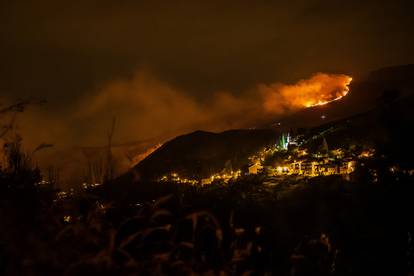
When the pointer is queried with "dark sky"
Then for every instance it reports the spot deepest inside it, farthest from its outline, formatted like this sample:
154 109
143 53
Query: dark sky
63 50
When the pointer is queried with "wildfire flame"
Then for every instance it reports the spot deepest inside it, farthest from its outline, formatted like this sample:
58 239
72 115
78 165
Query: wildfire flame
141 156
320 89
338 96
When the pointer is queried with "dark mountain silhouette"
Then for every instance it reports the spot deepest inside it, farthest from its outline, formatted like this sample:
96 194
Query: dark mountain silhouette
202 153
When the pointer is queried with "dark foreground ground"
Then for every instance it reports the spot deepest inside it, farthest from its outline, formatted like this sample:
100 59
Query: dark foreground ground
319 226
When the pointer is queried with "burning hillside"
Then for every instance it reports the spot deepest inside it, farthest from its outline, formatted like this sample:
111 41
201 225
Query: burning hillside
330 97
149 107
277 99
320 89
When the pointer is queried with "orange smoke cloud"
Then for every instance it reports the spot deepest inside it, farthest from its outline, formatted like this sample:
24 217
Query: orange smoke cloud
320 89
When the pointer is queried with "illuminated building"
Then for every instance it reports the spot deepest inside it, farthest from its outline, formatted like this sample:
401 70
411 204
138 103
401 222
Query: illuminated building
255 168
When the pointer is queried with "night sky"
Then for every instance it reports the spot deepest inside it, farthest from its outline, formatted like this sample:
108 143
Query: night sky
167 67
65 49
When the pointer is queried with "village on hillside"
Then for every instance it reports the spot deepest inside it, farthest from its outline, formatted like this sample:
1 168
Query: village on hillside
288 158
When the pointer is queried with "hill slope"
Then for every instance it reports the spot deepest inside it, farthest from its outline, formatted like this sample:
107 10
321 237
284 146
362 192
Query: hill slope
202 153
